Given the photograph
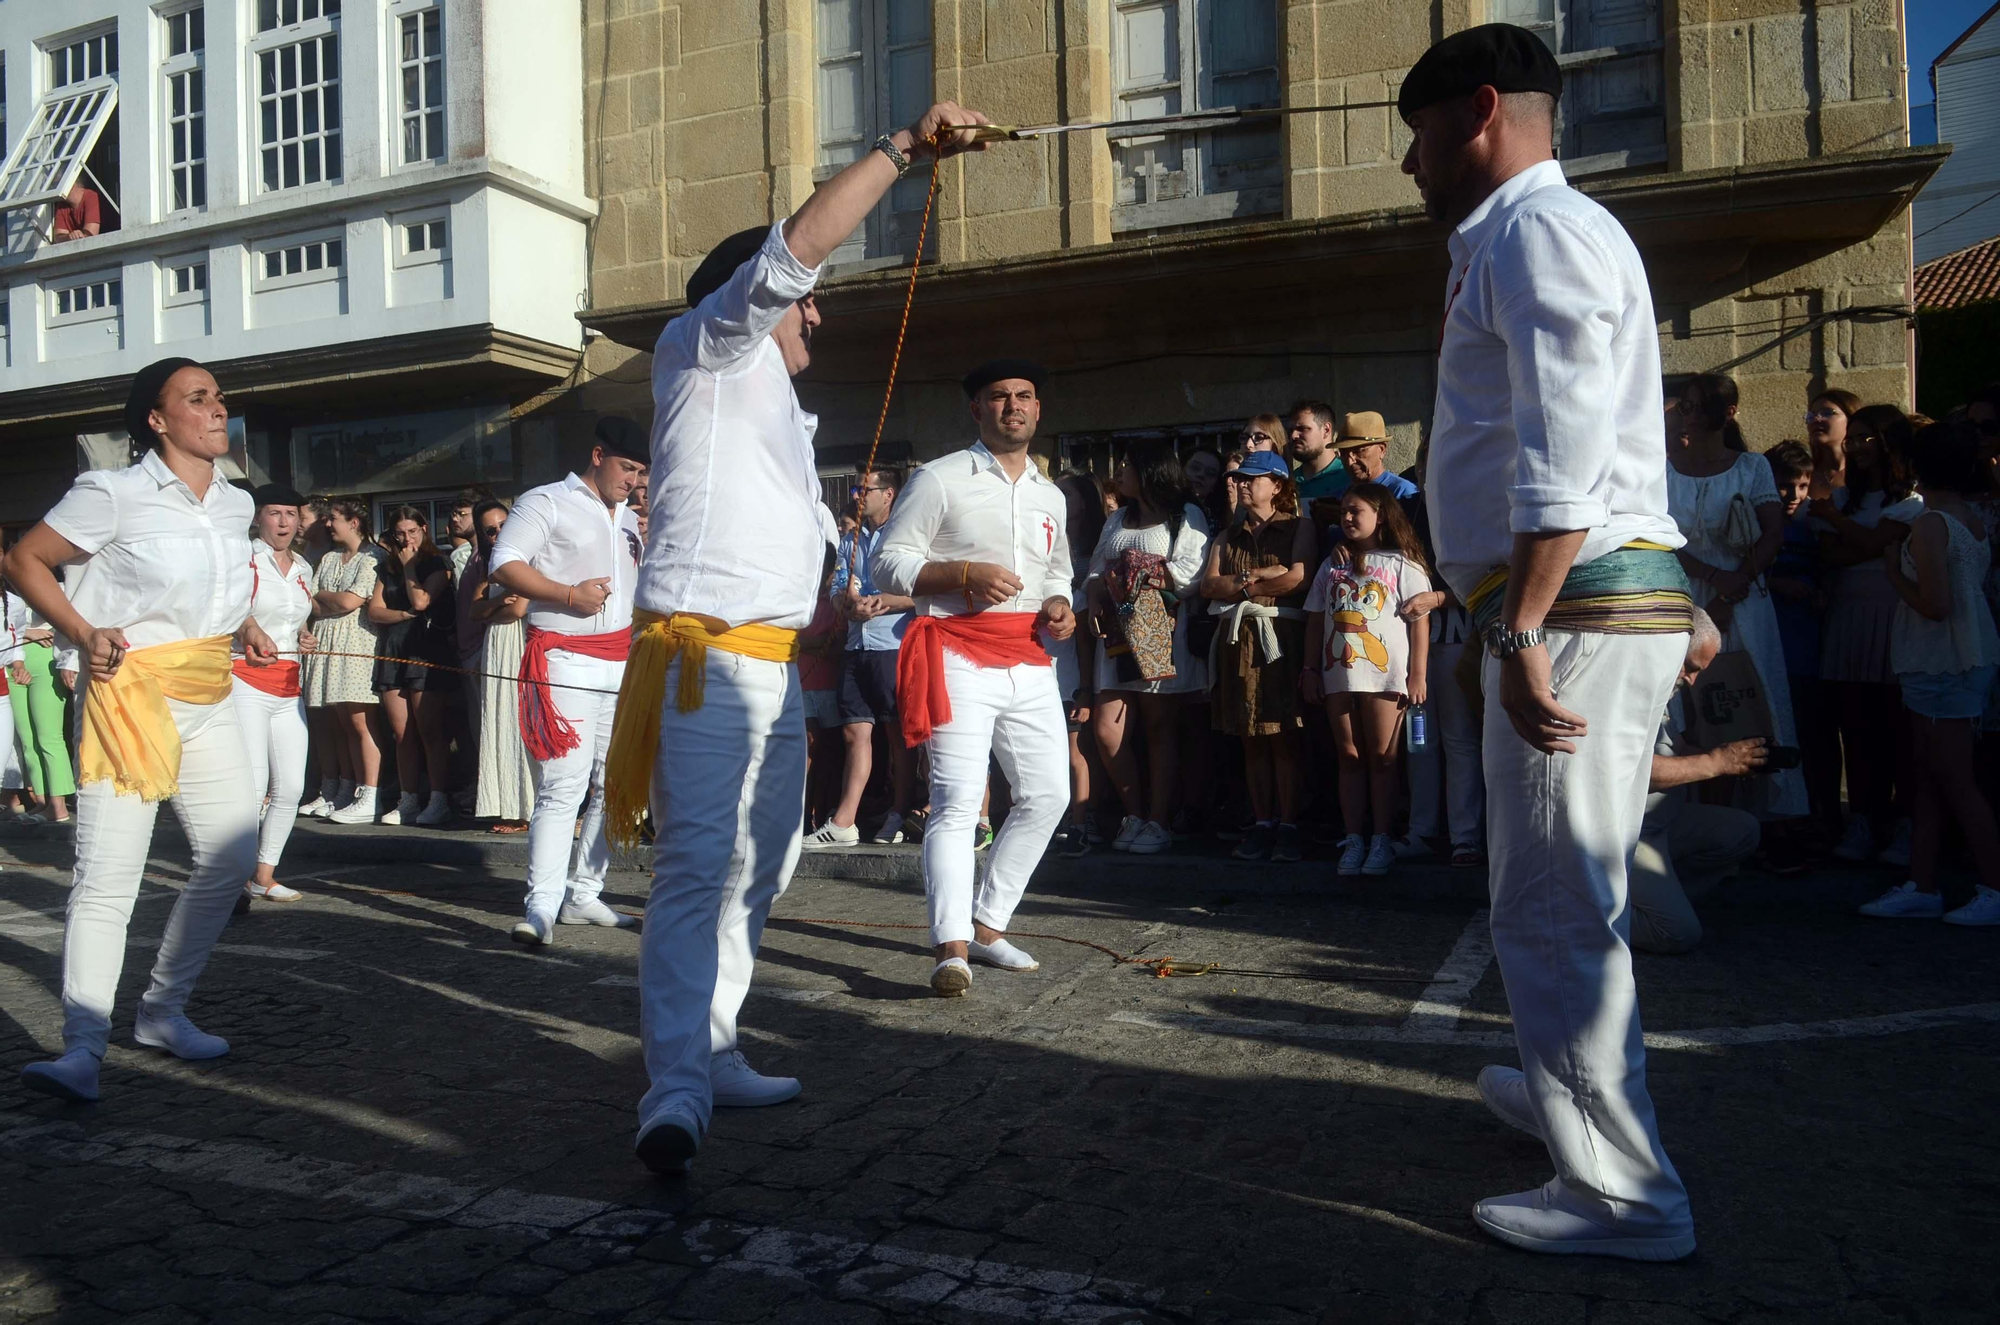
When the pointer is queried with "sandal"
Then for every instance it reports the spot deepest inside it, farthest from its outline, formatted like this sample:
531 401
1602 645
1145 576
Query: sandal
277 892
508 826
1467 857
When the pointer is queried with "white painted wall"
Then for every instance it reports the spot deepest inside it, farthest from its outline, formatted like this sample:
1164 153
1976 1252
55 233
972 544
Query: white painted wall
511 189
1961 205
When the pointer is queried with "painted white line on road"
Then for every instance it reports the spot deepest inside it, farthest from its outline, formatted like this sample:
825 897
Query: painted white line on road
1715 1037
1439 1006
877 1270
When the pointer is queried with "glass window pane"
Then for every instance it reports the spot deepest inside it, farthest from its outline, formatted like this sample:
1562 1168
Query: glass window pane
433 31
1149 46
197 92
270 122
177 34
180 189
841 102
197 138
310 119
909 84
267 65
437 234
291 165
180 143
312 162
434 83
413 148
330 108
839 26
117 292
309 62
295 261
267 15
313 257
329 57
333 253
288 68
197 34
200 189
411 47
434 130
909 21
270 168
410 88
289 117
201 276
274 264
177 95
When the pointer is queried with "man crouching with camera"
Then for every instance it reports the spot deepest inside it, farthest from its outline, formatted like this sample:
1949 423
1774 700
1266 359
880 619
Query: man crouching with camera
1687 848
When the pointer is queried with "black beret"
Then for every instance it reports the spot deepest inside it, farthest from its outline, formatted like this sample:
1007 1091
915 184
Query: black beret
276 494
144 398
622 437
1001 370
1500 55
722 262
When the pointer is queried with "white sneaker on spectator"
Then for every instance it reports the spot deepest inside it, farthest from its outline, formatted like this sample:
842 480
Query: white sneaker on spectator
435 813
407 806
1858 842
1537 1221
1904 902
1353 849
1381 855
891 831
1897 853
1128 828
1983 909
831 834
321 805
1002 954
737 1085
1150 840
360 810
534 931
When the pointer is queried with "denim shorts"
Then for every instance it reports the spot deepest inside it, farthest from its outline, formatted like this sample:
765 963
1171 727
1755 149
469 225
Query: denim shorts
1947 695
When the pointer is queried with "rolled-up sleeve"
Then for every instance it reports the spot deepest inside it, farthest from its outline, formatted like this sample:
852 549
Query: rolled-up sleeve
728 325
904 549
526 531
1559 336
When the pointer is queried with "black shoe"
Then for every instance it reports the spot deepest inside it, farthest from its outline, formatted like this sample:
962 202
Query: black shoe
1256 843
1285 844
1071 840
667 1148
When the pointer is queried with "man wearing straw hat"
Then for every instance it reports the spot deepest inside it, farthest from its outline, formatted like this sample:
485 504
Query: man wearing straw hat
711 720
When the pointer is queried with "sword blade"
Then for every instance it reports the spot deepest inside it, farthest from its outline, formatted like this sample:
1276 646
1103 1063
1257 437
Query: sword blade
1152 125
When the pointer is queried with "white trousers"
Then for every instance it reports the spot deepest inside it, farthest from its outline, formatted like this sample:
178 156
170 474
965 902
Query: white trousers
1561 830
729 795
1447 788
1013 714
563 785
274 735
218 811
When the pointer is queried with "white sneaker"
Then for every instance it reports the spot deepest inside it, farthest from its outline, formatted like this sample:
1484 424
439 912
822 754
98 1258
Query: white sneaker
277 892
951 978
1128 828
1904 902
405 812
831 834
1004 955
435 813
1983 909
1150 840
594 912
316 808
360 810
737 1085
1353 849
1534 1221
1411 846
891 831
1858 842
1505 1092
72 1077
1897 853
1381 855
534 932
177 1035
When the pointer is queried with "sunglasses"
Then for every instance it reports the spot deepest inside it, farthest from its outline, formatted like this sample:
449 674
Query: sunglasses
1256 437
1822 415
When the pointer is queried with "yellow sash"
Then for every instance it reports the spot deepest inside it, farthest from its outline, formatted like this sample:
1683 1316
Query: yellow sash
1496 579
129 736
635 728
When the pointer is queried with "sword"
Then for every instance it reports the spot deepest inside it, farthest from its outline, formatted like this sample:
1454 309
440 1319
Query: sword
1151 125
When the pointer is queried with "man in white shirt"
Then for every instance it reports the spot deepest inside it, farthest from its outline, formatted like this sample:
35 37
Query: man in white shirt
979 539
1548 501
734 552
573 549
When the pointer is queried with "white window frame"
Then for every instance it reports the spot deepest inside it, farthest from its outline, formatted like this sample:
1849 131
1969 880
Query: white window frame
291 13
889 232
1188 90
325 32
113 281
401 118
49 158
192 67
306 275
170 267
104 36
436 224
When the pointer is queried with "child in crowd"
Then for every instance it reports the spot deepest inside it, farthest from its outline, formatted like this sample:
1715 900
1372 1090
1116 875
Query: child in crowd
1798 594
1946 652
1366 663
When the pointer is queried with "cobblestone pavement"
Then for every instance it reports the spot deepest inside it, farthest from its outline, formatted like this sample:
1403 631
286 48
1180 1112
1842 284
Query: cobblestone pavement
418 1122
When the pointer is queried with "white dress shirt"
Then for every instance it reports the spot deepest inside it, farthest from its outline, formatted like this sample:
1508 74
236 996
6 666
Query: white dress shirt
1549 415
733 532
280 601
161 565
964 508
565 531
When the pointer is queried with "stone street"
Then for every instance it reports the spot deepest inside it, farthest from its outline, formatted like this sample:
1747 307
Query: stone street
420 1122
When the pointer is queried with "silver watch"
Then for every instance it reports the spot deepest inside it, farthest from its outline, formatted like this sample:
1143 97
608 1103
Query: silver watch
1503 643
887 147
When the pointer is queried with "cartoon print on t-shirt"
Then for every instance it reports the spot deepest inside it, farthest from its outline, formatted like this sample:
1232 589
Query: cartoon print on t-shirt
1356 607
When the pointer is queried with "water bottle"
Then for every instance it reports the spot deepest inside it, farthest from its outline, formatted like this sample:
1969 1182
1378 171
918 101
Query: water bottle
1414 735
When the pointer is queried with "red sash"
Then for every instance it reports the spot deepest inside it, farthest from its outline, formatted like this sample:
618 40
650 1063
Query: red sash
278 679
547 734
985 639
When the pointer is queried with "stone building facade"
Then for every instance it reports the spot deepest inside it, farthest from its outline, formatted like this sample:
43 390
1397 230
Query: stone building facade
1757 150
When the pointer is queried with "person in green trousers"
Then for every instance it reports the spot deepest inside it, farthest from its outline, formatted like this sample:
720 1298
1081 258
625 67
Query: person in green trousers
38 723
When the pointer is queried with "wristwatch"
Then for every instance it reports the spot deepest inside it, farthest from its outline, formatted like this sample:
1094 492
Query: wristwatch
887 147
1503 643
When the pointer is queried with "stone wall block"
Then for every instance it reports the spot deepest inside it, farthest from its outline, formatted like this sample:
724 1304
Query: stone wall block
645 227
1013 233
608 234
1878 61
1020 91
1008 179
1015 28
723 78
626 164
710 23
1729 71
719 145
706 212
1778 63
1363 36
1861 126
634 43
1775 138
1836 52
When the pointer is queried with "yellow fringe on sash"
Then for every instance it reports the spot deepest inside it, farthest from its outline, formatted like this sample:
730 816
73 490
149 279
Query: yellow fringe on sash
129 736
635 727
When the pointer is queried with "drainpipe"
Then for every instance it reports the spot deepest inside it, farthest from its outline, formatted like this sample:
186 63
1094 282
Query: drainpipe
1910 229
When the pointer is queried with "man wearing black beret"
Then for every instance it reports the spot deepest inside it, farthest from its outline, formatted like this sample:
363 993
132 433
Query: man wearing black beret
1548 507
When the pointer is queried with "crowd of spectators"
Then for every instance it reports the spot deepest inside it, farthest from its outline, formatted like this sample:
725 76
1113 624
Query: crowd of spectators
1267 661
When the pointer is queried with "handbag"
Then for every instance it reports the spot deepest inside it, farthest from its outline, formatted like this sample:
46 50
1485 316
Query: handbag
1740 526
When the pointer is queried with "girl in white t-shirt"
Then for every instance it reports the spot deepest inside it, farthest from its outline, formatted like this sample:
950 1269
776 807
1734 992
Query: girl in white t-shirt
1366 663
